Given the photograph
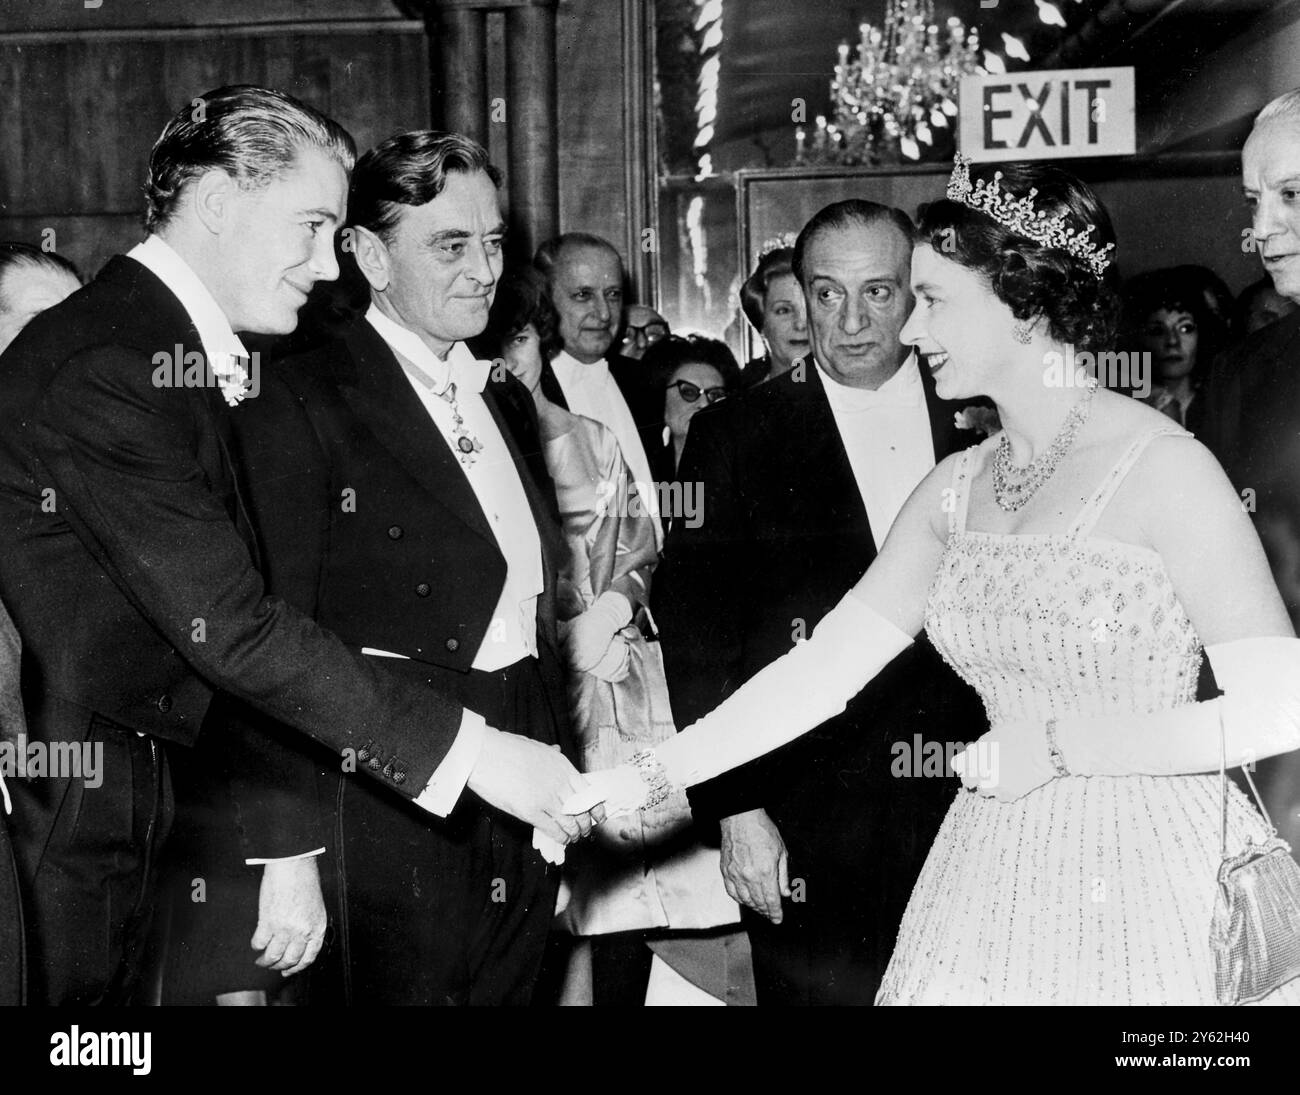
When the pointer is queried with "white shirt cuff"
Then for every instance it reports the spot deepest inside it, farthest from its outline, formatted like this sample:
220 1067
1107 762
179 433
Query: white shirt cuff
284 858
443 790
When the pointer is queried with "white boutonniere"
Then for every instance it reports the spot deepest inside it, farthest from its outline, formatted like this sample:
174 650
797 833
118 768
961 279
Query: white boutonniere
975 417
232 377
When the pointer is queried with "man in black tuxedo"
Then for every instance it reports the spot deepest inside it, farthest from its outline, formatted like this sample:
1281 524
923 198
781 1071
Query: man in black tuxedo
801 480
1252 400
584 275
129 566
441 563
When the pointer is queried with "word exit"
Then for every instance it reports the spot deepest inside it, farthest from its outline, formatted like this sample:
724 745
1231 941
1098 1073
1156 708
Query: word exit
1047 115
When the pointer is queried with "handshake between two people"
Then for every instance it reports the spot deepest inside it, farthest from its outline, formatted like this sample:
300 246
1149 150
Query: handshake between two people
537 784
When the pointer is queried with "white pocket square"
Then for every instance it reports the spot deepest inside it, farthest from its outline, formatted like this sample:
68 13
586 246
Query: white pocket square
383 653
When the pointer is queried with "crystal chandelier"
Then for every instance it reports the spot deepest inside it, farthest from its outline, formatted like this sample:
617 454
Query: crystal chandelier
897 99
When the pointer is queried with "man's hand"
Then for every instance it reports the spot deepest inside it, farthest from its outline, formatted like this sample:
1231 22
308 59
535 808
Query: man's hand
755 868
530 781
290 916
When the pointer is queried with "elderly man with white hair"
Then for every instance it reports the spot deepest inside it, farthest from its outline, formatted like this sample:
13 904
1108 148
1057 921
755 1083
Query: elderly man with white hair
1254 395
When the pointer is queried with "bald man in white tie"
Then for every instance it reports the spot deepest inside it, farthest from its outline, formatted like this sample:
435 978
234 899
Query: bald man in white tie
585 276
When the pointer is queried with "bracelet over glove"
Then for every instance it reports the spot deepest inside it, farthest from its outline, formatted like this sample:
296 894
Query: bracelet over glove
791 696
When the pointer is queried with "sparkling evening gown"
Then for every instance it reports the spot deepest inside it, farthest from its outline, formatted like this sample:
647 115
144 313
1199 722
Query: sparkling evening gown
1089 890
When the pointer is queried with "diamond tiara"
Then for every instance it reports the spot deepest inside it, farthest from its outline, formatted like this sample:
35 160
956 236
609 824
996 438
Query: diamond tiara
1019 215
784 241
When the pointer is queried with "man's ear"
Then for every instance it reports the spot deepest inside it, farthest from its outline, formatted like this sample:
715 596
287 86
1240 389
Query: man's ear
212 196
373 258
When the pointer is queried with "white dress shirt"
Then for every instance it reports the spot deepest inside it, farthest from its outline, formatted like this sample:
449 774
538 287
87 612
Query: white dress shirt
592 391
494 479
220 343
886 434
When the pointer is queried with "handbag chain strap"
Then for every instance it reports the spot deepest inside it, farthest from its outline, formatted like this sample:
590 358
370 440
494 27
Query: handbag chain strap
1223 787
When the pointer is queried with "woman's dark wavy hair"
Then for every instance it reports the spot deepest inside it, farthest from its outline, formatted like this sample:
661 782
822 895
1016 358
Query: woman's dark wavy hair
521 298
1180 289
1030 279
669 354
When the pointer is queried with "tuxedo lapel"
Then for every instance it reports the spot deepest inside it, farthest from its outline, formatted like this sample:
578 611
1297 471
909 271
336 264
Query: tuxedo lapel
151 318
378 392
812 432
1274 364
219 412
551 386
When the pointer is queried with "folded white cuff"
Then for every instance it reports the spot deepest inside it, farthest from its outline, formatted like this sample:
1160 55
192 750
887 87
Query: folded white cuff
285 858
444 788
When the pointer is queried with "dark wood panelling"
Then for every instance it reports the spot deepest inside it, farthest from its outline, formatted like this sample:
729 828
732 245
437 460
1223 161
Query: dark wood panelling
79 111
87 241
75 16
82 114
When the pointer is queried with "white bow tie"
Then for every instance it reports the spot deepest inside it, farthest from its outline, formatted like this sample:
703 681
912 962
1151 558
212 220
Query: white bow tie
468 375
438 374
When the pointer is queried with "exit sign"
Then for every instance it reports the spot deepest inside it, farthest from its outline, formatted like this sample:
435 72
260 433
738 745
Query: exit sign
1048 115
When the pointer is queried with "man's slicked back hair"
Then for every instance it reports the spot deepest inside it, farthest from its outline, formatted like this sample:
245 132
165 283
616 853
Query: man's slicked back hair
410 169
252 133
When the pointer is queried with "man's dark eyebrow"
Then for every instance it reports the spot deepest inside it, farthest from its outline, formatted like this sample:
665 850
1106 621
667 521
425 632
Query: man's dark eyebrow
882 279
448 234
323 214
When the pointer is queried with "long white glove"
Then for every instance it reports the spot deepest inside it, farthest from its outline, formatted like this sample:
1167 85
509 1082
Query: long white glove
590 638
791 696
1260 679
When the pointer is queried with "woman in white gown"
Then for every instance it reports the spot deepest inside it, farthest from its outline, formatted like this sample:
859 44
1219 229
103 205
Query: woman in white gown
1074 569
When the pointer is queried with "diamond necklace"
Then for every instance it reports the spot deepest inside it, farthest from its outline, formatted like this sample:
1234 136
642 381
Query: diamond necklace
1013 486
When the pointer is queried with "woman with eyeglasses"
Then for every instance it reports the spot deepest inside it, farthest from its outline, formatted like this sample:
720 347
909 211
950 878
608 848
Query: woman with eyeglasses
695 372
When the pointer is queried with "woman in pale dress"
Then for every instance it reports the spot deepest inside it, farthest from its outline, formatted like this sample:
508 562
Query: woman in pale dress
644 882
1074 569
